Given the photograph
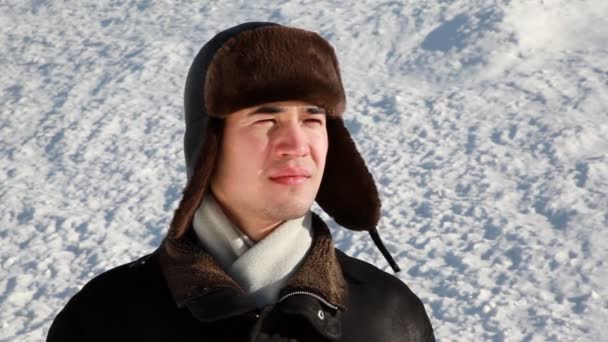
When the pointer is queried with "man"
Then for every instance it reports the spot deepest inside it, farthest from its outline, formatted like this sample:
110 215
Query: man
245 259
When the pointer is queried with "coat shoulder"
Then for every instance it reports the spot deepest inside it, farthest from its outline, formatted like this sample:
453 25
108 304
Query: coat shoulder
361 272
116 283
98 301
384 295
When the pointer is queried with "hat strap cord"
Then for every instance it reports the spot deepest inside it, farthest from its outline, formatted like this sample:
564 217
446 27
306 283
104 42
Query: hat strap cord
380 245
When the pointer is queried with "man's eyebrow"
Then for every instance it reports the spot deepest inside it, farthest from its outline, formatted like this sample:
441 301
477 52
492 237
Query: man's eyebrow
268 110
278 109
315 110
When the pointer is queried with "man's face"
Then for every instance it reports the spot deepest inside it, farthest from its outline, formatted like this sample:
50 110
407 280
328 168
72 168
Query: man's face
271 162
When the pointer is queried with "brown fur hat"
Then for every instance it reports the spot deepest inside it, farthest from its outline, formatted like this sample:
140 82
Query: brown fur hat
273 63
256 63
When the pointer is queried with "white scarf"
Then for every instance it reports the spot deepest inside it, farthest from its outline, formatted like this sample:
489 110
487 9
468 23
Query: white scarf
261 268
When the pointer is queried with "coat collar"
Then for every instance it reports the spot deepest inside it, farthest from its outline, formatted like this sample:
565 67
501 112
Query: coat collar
196 280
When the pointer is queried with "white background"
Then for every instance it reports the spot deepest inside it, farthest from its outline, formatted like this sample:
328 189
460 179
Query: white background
484 123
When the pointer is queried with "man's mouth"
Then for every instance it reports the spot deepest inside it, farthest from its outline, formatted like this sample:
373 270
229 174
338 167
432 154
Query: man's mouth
290 176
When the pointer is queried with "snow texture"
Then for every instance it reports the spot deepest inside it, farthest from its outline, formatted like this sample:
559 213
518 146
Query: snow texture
485 124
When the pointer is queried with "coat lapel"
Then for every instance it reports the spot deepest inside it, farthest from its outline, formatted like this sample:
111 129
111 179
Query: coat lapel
193 276
320 272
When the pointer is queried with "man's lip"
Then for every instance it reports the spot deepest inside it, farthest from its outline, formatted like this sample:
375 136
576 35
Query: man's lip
289 172
290 180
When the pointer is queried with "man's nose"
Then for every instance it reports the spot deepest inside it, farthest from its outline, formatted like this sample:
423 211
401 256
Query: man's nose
291 141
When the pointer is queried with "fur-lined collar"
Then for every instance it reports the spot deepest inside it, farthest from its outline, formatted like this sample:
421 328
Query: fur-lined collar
191 272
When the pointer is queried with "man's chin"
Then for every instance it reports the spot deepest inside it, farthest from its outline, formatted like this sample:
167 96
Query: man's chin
289 210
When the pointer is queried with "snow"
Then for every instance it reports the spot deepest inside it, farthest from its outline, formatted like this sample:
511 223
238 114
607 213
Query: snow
485 124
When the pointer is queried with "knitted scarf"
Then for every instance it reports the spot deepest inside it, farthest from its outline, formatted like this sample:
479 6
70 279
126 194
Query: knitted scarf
261 268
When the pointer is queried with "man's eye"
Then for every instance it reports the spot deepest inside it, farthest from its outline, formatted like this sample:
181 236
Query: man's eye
314 121
264 121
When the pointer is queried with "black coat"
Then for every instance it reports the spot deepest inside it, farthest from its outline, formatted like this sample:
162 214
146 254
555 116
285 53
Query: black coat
133 303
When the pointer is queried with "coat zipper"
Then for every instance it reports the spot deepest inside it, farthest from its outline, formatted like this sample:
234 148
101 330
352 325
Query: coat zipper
319 298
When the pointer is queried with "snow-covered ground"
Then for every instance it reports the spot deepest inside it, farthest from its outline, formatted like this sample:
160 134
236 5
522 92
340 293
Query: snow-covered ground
485 124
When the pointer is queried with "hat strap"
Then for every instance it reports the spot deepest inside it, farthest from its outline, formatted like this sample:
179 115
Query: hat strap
380 245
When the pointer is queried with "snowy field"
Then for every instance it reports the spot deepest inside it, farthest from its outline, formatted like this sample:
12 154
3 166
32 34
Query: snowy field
485 124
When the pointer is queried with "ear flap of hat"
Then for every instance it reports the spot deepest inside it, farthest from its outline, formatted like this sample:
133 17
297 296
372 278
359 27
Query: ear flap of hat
348 192
199 179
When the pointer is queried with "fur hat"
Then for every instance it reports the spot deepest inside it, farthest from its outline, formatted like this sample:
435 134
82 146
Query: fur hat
256 63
